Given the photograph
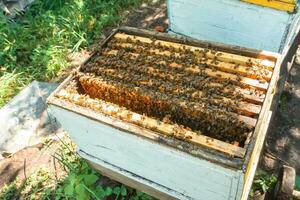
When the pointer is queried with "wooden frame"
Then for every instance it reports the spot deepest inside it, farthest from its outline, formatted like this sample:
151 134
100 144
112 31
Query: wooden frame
246 163
284 5
213 144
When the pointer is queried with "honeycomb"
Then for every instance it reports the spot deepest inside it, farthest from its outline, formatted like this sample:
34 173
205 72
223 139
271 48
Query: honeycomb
197 89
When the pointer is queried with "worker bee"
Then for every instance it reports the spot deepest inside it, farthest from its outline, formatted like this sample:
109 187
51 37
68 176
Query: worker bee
159 84
236 66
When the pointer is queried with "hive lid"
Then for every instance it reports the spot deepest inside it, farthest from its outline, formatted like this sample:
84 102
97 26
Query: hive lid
284 5
234 22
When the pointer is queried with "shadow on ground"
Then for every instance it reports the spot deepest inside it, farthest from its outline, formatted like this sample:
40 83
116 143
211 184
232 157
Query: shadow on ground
283 141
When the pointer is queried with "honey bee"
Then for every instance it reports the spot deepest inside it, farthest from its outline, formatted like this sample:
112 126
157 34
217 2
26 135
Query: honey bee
159 81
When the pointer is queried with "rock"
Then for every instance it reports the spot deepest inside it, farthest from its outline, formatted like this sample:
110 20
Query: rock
13 7
297 59
25 120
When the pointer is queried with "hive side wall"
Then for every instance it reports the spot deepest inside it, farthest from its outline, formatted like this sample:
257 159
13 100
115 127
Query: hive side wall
231 22
292 33
161 168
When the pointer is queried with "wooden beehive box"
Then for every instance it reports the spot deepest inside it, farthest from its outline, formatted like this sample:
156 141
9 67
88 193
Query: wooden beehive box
236 22
172 116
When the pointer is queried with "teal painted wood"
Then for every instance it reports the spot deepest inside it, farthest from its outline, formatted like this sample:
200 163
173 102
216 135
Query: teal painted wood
232 22
292 32
165 169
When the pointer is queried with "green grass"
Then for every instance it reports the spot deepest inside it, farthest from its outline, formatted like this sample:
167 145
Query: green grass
80 182
35 46
263 182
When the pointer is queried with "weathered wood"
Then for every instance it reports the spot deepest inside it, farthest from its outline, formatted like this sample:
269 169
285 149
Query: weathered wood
223 56
260 132
139 158
245 92
148 188
217 46
222 66
253 144
152 124
248 82
231 22
245 108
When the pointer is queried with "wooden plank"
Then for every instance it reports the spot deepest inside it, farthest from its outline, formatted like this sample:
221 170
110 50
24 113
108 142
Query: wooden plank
172 142
284 5
217 46
223 56
243 108
230 22
260 132
130 179
249 72
95 87
245 92
251 98
247 82
147 122
260 85
285 61
176 170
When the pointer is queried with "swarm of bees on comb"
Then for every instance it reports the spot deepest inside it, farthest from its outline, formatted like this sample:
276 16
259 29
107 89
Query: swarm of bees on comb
173 85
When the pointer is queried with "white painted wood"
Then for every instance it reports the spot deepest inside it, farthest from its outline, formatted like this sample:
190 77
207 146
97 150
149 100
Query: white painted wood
231 22
170 170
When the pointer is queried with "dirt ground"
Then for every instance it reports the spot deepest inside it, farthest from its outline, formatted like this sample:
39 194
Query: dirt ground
29 160
283 141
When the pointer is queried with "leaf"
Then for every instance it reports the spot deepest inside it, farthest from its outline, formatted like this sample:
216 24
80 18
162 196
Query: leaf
123 191
83 196
108 191
69 190
80 188
72 179
264 188
100 192
117 190
81 192
84 168
90 179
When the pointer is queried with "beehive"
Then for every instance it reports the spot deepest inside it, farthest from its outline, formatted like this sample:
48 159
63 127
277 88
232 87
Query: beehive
178 90
246 23
210 101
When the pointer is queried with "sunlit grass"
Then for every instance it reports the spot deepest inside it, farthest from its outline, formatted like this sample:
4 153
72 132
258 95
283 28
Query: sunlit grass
36 45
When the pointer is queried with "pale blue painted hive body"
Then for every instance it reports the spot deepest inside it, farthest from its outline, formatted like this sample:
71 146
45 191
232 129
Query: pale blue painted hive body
121 151
233 22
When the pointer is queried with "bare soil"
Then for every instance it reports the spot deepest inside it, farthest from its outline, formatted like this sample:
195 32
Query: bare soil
283 141
29 160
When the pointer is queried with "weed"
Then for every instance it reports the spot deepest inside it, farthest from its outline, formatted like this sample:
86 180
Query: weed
9 191
283 102
36 45
263 182
80 182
